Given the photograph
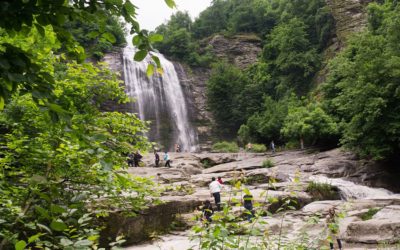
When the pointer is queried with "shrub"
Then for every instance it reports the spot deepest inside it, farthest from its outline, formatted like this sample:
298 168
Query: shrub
225 147
323 191
268 163
258 148
368 215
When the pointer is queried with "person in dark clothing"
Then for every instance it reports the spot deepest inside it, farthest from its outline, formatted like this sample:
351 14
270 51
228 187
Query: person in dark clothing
156 158
131 156
248 205
137 157
208 211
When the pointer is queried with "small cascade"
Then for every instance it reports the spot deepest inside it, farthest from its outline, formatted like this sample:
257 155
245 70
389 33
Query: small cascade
350 190
160 100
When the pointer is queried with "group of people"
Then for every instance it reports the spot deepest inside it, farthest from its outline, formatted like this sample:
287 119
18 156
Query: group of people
167 160
134 159
215 187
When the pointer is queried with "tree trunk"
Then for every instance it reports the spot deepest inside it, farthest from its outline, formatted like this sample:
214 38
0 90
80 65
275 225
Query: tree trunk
301 143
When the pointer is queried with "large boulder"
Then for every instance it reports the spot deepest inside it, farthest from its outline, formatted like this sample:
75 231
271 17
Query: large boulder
383 227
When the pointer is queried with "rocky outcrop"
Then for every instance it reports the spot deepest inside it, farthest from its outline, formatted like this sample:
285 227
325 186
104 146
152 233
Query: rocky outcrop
240 50
350 16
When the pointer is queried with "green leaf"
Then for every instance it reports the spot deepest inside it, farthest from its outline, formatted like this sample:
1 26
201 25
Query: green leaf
150 70
1 103
136 40
109 37
83 243
57 209
130 8
156 38
170 3
20 245
157 61
58 225
34 237
140 55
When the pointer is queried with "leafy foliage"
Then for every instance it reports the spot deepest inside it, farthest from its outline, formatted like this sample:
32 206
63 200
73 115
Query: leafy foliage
62 163
20 72
362 90
308 123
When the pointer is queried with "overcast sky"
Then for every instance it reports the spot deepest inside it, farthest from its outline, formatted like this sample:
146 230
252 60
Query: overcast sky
152 13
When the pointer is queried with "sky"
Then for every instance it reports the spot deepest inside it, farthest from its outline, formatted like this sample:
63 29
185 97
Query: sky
152 13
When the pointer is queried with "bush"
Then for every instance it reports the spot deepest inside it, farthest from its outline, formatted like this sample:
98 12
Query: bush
368 215
323 191
225 147
258 148
268 163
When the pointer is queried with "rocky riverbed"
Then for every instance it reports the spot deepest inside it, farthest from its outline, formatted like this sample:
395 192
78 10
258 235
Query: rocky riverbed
369 216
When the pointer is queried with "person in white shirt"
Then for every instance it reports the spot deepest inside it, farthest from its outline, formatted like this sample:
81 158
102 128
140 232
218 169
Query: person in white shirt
215 190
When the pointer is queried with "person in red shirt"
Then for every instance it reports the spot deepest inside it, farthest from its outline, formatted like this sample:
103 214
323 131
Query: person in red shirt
220 180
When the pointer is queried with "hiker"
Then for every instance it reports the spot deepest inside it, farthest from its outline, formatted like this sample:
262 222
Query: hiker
156 158
333 231
136 158
248 205
273 146
131 156
208 211
167 160
178 148
219 179
215 190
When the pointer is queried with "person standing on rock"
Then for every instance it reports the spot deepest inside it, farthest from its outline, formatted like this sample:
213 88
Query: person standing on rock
272 146
156 158
219 179
208 211
167 160
215 190
248 205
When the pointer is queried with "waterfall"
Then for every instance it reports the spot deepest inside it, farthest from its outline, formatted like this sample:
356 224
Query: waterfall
160 100
349 190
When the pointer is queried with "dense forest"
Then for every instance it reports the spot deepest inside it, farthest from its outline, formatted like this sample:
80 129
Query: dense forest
278 98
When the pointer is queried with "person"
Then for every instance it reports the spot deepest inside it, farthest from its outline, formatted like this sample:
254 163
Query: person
249 146
157 158
273 146
136 158
248 205
167 160
331 219
131 156
215 190
220 180
208 211
178 148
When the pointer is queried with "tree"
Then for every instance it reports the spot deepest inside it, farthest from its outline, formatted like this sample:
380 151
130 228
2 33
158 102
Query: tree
362 89
20 72
222 89
60 160
308 123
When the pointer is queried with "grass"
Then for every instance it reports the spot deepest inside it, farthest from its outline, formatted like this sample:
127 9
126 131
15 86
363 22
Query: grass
268 163
225 147
323 191
369 214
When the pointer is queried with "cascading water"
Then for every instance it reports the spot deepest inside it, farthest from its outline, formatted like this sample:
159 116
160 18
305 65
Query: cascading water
160 99
350 190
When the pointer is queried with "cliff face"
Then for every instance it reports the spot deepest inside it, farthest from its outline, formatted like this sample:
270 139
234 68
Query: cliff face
350 16
240 50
